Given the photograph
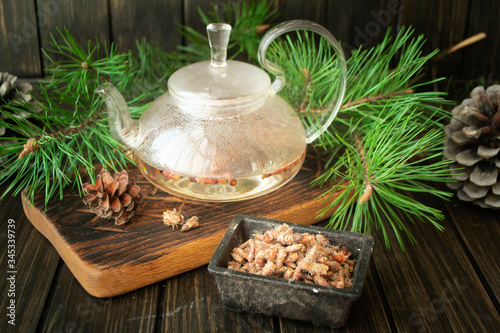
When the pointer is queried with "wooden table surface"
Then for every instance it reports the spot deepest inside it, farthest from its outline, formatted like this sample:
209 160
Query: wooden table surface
448 282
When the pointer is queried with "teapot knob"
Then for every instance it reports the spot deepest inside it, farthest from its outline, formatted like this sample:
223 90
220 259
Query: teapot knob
218 37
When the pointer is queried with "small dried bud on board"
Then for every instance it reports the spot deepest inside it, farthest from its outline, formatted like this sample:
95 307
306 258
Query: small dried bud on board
191 223
172 218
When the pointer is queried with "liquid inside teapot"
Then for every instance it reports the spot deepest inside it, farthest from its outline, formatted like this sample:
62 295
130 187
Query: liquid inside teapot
223 189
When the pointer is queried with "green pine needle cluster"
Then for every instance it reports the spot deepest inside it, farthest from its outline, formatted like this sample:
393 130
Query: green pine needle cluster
381 160
312 71
384 143
68 122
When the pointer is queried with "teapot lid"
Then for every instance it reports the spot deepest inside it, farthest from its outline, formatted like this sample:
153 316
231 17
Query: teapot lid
211 82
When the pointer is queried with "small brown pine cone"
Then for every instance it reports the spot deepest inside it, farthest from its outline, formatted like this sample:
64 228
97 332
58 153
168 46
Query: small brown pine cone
474 145
116 197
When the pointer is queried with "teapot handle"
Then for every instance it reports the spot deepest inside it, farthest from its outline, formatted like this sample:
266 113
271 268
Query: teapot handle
319 126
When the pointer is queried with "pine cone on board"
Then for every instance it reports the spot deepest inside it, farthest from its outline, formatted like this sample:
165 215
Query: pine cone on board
114 197
474 143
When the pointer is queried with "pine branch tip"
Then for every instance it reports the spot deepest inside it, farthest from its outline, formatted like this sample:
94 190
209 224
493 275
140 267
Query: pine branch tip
367 193
29 148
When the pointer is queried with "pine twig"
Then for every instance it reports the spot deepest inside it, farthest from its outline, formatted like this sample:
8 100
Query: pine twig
374 99
466 42
33 144
367 192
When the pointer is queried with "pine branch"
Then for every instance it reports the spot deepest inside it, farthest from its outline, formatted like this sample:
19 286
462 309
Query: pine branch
374 99
385 123
368 178
378 163
71 132
385 141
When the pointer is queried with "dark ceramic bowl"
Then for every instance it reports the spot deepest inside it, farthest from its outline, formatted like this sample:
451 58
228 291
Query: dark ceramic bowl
272 296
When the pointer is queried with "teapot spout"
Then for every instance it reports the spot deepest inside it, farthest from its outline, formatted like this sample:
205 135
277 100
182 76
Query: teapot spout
121 125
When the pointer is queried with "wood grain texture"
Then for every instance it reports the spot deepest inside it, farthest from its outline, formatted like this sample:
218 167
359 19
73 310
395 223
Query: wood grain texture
443 23
445 283
71 309
482 59
313 10
368 313
480 229
192 19
109 260
361 22
33 253
85 20
191 297
19 39
155 20
429 287
23 23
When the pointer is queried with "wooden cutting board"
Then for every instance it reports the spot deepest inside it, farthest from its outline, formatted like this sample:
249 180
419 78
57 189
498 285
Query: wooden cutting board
109 260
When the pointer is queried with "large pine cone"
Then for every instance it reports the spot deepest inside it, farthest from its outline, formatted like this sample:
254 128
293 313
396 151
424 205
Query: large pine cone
115 197
12 89
474 143
14 92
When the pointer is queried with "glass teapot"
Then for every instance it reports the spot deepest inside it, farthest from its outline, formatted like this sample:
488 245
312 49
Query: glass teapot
221 132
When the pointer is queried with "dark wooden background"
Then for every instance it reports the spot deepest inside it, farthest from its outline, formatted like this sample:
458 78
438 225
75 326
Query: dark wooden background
25 25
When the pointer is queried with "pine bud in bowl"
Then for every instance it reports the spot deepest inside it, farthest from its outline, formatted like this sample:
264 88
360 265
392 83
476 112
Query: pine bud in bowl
290 270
